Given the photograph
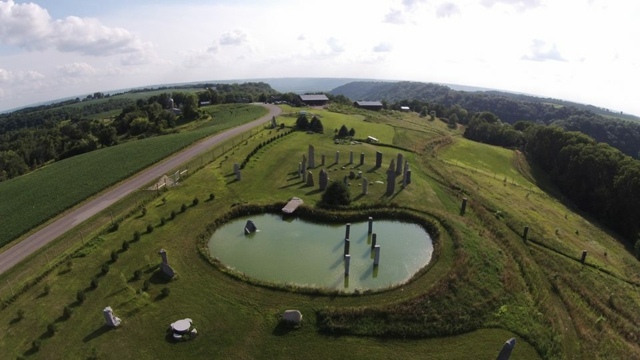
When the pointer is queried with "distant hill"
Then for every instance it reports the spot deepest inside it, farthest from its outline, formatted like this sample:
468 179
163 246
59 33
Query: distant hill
618 130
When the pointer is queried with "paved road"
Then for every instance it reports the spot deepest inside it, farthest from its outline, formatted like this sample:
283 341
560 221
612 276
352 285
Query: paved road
52 231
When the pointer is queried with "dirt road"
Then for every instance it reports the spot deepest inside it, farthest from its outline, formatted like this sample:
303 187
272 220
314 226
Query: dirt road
50 232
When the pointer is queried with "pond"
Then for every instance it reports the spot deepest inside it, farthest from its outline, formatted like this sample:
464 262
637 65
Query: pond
309 254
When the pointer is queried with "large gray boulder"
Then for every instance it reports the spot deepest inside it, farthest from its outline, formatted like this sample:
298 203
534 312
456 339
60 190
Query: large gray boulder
292 317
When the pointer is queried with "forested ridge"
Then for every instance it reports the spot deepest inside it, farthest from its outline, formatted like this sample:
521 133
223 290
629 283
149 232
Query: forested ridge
37 135
510 108
598 178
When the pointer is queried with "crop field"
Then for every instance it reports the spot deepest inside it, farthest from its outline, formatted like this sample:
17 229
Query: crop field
31 199
484 286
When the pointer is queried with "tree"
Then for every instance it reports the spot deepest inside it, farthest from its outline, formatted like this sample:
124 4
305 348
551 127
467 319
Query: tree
352 132
343 132
637 249
190 106
302 123
453 121
336 194
316 125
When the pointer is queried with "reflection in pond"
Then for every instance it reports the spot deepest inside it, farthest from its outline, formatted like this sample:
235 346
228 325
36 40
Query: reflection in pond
311 254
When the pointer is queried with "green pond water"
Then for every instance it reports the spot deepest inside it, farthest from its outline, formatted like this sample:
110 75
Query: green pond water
294 251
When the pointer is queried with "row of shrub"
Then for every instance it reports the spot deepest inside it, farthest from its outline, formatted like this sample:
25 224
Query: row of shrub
261 145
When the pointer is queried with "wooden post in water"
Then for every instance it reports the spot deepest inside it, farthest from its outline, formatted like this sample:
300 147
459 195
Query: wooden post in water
376 260
370 230
347 264
347 247
346 235
374 240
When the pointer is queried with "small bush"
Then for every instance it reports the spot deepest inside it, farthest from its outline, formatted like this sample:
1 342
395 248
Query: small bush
149 229
114 227
183 208
137 275
162 221
136 235
81 296
36 344
67 312
166 291
51 329
195 201
114 256
105 269
211 197
146 285
125 245
94 283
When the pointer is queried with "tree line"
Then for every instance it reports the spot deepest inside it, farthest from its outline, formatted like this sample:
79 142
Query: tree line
32 137
597 177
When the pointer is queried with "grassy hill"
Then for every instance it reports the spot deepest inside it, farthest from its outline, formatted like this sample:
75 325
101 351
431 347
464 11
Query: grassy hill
485 285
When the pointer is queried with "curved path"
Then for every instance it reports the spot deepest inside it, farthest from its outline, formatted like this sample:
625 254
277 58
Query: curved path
50 232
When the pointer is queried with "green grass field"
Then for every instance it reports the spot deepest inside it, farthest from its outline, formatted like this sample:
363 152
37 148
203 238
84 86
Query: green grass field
485 286
32 199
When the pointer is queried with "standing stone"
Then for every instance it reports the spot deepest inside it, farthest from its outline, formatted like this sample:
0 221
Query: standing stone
164 266
361 158
345 180
359 176
376 259
399 164
365 186
337 157
404 181
110 319
525 233
236 168
584 256
323 179
352 174
299 169
406 168
347 264
310 179
392 165
408 175
378 159
351 157
312 157
322 158
238 175
463 208
507 349
274 124
250 227
304 164
391 181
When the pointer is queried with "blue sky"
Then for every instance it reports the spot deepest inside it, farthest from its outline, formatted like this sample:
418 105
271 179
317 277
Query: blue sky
581 50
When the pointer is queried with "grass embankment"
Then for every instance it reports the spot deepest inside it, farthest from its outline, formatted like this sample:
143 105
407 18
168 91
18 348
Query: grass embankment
485 287
31 199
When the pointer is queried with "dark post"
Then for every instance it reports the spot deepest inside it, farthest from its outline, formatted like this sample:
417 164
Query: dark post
524 235
374 240
463 208
346 236
584 256
347 246
370 225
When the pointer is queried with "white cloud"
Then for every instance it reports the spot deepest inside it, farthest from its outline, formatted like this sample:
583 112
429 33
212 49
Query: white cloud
31 27
542 51
235 37
447 9
335 45
383 47
394 17
77 69
520 4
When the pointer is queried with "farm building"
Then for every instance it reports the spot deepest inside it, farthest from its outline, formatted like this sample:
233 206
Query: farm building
368 105
314 100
